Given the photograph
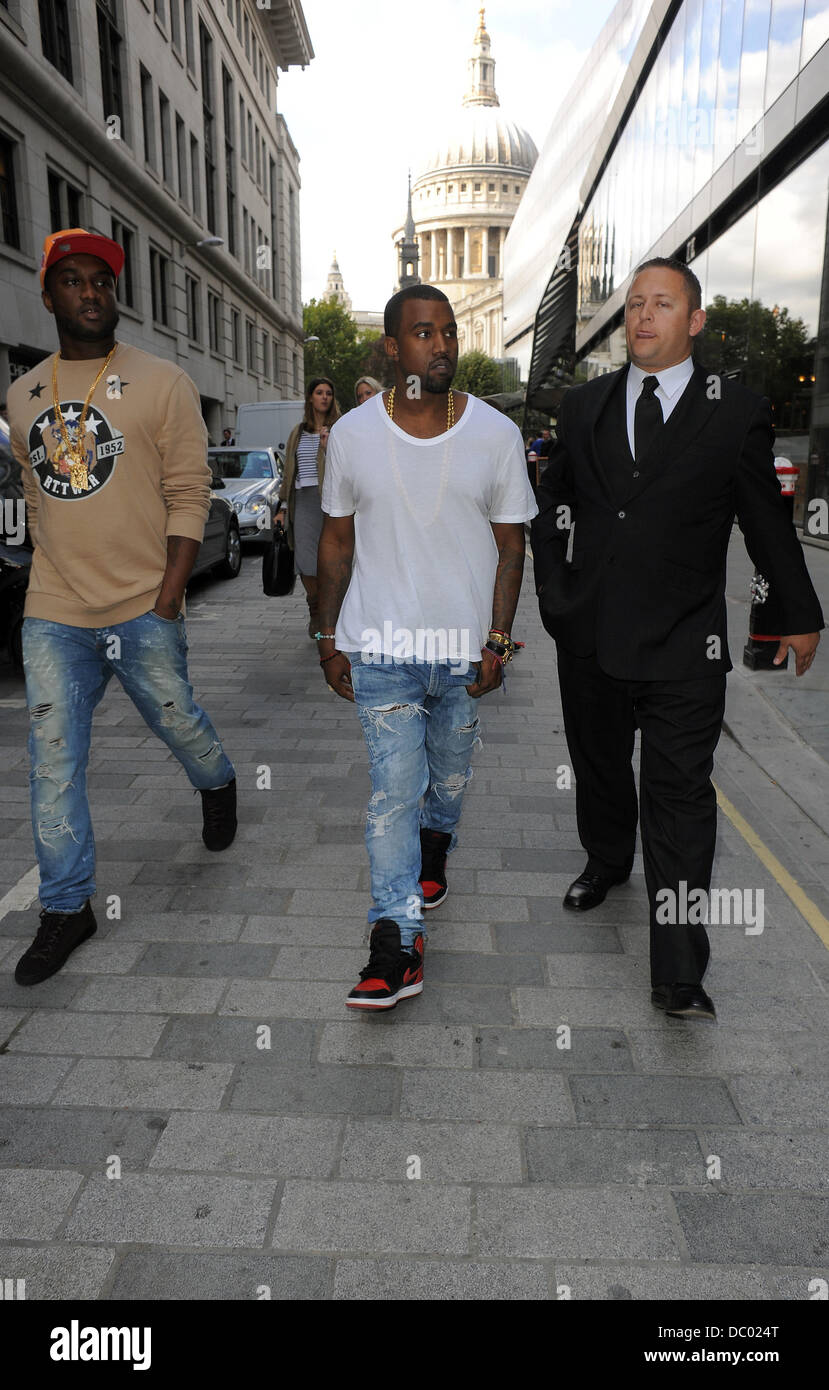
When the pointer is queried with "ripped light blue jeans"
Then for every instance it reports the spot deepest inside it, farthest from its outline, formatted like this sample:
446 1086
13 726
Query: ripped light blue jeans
67 671
420 726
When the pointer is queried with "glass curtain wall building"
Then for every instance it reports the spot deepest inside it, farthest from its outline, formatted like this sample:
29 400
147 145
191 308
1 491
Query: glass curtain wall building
719 155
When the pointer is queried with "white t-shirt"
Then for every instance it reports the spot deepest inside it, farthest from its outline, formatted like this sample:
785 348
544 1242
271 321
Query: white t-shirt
425 556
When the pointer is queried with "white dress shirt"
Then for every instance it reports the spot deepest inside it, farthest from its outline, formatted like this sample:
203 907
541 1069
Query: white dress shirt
672 383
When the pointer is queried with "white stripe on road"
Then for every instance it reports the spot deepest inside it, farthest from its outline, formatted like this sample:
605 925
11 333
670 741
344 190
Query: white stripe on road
22 895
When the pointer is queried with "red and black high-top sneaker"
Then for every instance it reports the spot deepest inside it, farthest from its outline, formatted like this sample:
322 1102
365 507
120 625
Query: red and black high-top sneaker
434 847
392 973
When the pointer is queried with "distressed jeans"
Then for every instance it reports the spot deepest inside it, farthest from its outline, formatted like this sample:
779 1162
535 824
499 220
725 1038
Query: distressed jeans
420 726
67 671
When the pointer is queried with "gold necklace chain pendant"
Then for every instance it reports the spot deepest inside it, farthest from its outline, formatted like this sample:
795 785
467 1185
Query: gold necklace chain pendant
78 469
450 407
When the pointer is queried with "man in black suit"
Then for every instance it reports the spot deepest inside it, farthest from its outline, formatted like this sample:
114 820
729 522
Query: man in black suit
652 464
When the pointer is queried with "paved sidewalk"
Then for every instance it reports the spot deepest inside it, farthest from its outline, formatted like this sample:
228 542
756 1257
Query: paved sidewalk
565 1133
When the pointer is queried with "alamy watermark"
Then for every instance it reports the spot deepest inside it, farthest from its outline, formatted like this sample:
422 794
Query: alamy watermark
450 645
719 907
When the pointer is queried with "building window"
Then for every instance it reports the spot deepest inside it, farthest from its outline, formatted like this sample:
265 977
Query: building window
250 144
247 38
230 160
296 372
109 50
239 20
10 228
245 242
166 138
294 248
206 55
265 371
188 34
242 149
518 188
213 320
234 335
125 237
463 188
492 188
159 274
275 360
195 188
175 24
250 345
159 11
147 117
64 203
181 158
54 35
191 290
477 188
258 159
505 188
272 191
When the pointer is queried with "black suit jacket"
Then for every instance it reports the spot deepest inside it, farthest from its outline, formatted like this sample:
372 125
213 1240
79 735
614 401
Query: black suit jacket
644 588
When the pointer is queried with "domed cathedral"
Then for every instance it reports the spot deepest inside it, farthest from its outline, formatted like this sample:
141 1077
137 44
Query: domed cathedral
462 204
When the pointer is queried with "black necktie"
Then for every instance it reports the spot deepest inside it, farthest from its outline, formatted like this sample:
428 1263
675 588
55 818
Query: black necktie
647 419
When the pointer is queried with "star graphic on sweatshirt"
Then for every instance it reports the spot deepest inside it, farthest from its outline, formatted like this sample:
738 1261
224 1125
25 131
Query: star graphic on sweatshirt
92 423
35 391
71 415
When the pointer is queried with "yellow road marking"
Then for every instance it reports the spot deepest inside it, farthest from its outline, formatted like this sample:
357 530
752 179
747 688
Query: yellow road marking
790 886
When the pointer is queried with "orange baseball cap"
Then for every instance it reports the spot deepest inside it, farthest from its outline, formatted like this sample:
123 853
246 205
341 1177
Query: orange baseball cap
75 241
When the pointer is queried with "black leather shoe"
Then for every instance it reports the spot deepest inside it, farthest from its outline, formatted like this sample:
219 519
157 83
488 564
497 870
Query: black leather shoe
683 1001
58 935
219 814
588 890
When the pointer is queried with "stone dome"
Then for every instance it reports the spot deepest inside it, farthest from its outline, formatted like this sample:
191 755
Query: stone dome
483 137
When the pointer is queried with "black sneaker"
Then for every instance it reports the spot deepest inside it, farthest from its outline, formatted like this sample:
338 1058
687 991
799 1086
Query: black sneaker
391 973
219 812
57 936
434 847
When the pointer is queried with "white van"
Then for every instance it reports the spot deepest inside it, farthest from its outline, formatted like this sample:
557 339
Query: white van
267 424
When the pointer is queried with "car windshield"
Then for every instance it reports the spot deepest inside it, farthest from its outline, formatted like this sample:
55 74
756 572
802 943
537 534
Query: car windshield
250 463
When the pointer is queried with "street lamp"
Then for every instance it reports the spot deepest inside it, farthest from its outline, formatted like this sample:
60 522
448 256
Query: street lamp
210 241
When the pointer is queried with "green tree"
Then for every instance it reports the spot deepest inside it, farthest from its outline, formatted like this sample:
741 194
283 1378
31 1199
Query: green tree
771 349
342 351
478 374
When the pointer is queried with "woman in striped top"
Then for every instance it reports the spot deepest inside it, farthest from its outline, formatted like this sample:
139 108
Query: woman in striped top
302 485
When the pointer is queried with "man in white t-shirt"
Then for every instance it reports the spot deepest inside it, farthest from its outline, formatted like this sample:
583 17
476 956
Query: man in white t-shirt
425 495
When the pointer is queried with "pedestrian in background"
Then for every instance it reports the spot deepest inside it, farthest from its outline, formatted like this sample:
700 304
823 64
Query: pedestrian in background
112 449
302 486
365 388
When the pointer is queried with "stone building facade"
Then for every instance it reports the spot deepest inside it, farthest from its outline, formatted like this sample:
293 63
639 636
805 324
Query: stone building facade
155 122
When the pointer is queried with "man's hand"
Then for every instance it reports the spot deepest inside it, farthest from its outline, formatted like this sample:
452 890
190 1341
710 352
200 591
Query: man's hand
804 646
337 673
490 675
168 606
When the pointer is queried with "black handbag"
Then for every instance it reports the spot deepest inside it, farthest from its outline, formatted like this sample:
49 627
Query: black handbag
278 573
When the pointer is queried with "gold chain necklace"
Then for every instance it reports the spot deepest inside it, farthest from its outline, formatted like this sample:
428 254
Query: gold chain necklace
450 407
78 469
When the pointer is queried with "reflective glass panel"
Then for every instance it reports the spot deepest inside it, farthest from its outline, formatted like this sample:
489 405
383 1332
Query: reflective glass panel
707 98
815 29
756 21
728 83
784 47
690 97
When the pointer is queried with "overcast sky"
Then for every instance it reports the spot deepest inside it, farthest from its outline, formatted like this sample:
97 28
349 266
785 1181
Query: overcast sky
386 80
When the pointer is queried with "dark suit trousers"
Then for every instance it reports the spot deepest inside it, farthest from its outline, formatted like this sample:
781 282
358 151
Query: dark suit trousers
680 724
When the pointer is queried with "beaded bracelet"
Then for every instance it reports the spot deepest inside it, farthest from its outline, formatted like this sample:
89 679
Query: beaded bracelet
323 659
319 636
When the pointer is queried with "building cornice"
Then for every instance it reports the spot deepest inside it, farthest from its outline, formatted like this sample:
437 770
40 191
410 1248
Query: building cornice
54 104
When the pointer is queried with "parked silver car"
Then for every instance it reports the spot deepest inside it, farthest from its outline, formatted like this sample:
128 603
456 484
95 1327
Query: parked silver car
250 480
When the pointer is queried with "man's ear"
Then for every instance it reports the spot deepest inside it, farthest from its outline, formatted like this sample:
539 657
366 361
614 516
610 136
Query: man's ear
697 323
390 347
47 301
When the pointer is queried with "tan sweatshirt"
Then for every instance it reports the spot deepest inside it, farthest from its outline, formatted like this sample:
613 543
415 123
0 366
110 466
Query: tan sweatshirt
100 553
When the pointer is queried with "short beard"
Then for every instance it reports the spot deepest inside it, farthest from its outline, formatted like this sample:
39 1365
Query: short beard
87 333
436 388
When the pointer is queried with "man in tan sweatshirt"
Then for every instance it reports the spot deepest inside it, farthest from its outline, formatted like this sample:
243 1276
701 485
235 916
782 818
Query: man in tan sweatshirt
113 453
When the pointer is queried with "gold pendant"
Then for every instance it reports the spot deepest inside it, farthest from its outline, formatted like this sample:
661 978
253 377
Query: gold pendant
78 473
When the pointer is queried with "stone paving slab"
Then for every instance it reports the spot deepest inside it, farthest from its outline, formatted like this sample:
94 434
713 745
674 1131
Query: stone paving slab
170 1210
57 1272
